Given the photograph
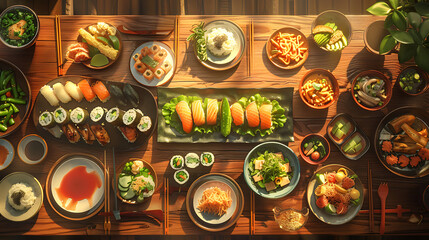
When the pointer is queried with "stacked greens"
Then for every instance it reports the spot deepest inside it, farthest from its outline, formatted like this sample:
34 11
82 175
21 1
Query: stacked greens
13 17
223 123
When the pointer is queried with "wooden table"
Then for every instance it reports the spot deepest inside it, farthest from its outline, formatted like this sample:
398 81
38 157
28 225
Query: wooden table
255 70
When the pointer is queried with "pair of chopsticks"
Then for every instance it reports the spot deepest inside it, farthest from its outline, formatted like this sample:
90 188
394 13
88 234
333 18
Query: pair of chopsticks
371 203
250 51
107 223
59 46
252 213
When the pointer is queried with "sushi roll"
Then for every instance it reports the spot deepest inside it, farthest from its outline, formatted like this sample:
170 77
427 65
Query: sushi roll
177 162
207 159
265 115
181 176
198 113
71 133
61 116
145 124
184 112
252 115
74 91
86 90
154 49
237 113
140 67
46 120
212 111
132 118
49 95
145 51
192 160
114 116
97 114
160 55
148 74
79 115
100 134
101 91
137 57
159 73
86 133
61 93
166 66
129 133
131 95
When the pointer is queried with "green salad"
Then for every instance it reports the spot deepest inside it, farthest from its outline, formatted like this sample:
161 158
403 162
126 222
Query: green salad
270 170
18 27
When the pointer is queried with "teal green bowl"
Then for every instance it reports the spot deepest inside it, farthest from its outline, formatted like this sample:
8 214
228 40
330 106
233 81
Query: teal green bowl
287 153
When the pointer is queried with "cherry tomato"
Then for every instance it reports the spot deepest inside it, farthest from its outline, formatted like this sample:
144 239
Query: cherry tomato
322 201
9 94
315 156
331 178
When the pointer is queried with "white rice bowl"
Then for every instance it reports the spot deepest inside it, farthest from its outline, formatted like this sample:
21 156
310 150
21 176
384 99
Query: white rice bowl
26 201
227 46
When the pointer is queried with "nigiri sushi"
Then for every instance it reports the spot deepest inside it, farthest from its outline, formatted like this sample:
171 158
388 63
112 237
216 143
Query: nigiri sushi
129 133
212 110
86 90
101 91
184 112
86 133
198 113
252 115
71 133
73 91
61 93
237 114
100 134
49 95
265 115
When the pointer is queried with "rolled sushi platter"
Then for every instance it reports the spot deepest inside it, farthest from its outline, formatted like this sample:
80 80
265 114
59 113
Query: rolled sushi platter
92 112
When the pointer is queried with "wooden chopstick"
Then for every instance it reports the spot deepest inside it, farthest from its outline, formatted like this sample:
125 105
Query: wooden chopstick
176 38
59 46
105 194
250 51
166 201
371 203
252 213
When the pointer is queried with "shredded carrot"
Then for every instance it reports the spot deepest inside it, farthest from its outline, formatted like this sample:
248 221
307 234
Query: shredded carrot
287 47
215 201
320 97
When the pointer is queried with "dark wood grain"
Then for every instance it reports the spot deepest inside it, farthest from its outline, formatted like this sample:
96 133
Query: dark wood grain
39 63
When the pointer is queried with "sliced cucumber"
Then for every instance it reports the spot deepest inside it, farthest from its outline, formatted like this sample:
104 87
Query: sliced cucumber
122 189
140 198
330 209
128 194
125 181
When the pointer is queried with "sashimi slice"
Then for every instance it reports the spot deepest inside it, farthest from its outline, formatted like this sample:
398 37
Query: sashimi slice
237 114
198 113
86 90
212 111
265 114
252 115
184 112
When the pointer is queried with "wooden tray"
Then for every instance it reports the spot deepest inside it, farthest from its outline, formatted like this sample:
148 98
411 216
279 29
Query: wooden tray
147 104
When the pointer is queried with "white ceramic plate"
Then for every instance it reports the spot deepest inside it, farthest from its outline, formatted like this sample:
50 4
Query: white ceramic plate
5 143
83 205
8 211
211 218
236 32
154 82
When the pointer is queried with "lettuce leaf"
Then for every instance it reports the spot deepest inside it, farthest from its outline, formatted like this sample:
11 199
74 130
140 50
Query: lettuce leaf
278 117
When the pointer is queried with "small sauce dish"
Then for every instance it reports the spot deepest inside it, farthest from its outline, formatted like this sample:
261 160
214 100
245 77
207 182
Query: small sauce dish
32 149
7 153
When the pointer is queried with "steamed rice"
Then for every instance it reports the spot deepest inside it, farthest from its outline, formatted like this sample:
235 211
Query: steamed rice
21 196
220 42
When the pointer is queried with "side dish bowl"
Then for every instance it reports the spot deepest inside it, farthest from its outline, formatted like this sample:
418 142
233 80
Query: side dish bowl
315 74
323 154
372 74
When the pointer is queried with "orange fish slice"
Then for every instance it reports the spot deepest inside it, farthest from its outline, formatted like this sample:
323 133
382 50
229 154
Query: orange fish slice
212 110
265 114
252 115
184 112
237 114
198 113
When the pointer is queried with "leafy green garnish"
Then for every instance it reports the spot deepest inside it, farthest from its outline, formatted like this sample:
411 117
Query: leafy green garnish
197 36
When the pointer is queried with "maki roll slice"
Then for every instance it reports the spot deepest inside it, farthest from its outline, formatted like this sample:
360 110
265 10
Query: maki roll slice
97 114
61 116
79 115
181 176
100 134
192 160
177 162
71 133
129 133
86 133
114 116
184 112
207 159
198 113
237 114
46 120
145 124
132 117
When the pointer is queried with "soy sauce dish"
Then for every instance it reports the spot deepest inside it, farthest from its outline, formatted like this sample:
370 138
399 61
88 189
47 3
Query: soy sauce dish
32 149
7 153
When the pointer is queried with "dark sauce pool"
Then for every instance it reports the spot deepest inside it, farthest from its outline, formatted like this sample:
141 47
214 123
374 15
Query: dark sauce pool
34 150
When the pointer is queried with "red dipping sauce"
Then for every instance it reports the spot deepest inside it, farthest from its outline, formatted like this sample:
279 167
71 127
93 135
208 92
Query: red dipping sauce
78 185
3 154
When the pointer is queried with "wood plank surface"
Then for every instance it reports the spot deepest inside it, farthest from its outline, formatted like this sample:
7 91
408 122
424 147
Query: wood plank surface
40 66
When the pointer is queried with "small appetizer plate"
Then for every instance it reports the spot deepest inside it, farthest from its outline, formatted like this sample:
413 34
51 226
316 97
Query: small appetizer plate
309 158
419 88
6 210
10 155
32 149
